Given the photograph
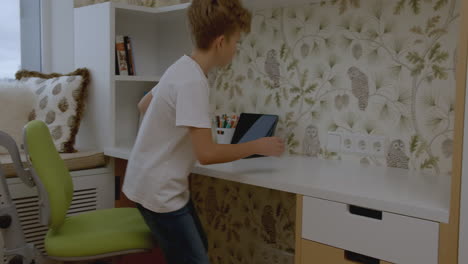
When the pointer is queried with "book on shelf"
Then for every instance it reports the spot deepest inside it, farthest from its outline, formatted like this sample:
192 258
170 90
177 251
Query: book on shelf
129 54
117 71
121 55
124 56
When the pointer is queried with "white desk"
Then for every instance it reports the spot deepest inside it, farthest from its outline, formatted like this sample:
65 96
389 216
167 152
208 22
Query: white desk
398 191
411 204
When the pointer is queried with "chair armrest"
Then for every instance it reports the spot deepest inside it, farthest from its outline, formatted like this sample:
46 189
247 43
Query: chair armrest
23 173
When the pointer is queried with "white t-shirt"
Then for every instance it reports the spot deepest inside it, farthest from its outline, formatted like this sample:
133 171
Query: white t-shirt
162 157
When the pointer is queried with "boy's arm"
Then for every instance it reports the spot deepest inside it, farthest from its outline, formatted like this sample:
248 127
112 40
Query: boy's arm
144 103
208 152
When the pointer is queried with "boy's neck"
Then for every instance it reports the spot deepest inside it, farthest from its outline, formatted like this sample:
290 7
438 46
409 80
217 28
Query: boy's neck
205 59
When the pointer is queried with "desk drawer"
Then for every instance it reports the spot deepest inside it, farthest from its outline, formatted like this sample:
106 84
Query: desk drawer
391 237
314 252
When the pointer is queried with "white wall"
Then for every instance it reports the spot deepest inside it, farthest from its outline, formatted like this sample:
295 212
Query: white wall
57 38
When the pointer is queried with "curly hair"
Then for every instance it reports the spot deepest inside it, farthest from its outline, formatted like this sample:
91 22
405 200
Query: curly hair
210 19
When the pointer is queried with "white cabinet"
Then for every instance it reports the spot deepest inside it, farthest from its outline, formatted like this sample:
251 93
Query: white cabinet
386 236
313 252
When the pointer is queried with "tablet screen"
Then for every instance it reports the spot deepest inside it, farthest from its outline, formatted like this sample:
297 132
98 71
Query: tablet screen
254 126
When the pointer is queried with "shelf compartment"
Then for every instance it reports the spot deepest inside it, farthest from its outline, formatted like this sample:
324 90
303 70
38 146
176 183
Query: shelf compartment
124 78
127 116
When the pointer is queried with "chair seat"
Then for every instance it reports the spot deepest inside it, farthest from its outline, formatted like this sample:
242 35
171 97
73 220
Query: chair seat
99 232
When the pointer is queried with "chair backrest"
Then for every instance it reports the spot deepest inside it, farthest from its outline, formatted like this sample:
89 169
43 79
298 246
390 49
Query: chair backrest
49 167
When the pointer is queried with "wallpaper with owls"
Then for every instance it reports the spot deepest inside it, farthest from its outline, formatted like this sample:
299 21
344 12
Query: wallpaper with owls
377 67
245 223
371 67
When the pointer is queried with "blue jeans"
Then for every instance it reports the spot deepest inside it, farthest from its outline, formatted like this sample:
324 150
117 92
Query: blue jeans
179 234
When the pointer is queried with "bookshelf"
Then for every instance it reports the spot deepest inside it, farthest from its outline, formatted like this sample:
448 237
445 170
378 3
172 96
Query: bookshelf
159 37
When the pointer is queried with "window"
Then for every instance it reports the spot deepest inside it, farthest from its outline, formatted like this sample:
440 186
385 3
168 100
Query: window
20 36
10 45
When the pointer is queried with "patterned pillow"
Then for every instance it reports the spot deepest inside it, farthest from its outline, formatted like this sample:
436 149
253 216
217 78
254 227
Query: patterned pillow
59 103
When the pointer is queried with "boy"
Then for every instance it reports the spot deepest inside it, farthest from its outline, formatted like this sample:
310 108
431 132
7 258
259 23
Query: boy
176 131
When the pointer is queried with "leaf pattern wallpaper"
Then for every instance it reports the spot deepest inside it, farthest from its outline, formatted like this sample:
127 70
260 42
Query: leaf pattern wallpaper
244 223
377 67
371 67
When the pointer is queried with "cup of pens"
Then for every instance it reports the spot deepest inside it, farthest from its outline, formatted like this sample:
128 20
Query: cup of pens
225 127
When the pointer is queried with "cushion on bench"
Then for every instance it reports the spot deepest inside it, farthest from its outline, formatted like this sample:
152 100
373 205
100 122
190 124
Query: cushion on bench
80 160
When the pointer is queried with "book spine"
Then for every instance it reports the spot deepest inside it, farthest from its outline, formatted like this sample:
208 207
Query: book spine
121 56
127 56
130 57
117 72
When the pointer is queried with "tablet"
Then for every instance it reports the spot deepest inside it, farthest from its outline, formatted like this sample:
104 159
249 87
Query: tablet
254 126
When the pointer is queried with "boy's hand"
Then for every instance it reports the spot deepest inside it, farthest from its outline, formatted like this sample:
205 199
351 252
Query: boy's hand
269 146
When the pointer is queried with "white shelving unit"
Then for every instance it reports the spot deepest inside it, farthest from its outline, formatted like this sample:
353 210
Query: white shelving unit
159 37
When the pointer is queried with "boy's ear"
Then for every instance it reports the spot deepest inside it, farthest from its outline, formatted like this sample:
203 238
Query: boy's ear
219 41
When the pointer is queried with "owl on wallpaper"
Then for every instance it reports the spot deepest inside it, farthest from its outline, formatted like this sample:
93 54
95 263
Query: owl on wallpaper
396 156
311 143
272 68
357 51
359 86
268 223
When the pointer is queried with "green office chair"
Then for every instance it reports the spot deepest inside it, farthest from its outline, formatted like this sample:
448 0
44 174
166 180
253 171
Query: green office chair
88 236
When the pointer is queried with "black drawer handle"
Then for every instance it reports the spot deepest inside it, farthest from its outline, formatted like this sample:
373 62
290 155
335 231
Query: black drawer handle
117 188
365 212
351 256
